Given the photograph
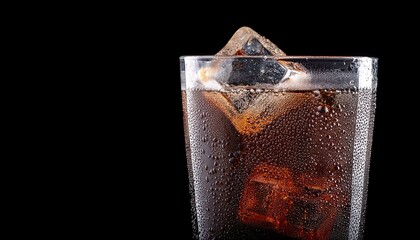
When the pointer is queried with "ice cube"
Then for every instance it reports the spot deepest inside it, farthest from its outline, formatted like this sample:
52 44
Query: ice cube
268 191
214 73
309 218
313 213
250 71
255 71
250 111
246 41
244 71
273 199
313 184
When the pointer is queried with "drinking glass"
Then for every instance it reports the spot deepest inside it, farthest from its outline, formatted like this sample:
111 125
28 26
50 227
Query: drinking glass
278 147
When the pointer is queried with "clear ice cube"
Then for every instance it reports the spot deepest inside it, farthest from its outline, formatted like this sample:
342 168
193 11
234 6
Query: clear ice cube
249 112
246 41
252 71
256 71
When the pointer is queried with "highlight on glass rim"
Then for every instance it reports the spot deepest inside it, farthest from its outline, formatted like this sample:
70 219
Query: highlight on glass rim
278 147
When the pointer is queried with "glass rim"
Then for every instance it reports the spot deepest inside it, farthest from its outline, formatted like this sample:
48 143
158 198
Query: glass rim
303 57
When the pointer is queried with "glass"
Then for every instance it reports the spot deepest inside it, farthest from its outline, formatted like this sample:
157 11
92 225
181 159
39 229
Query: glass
278 148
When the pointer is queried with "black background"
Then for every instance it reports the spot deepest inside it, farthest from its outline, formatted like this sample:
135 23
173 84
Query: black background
140 183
